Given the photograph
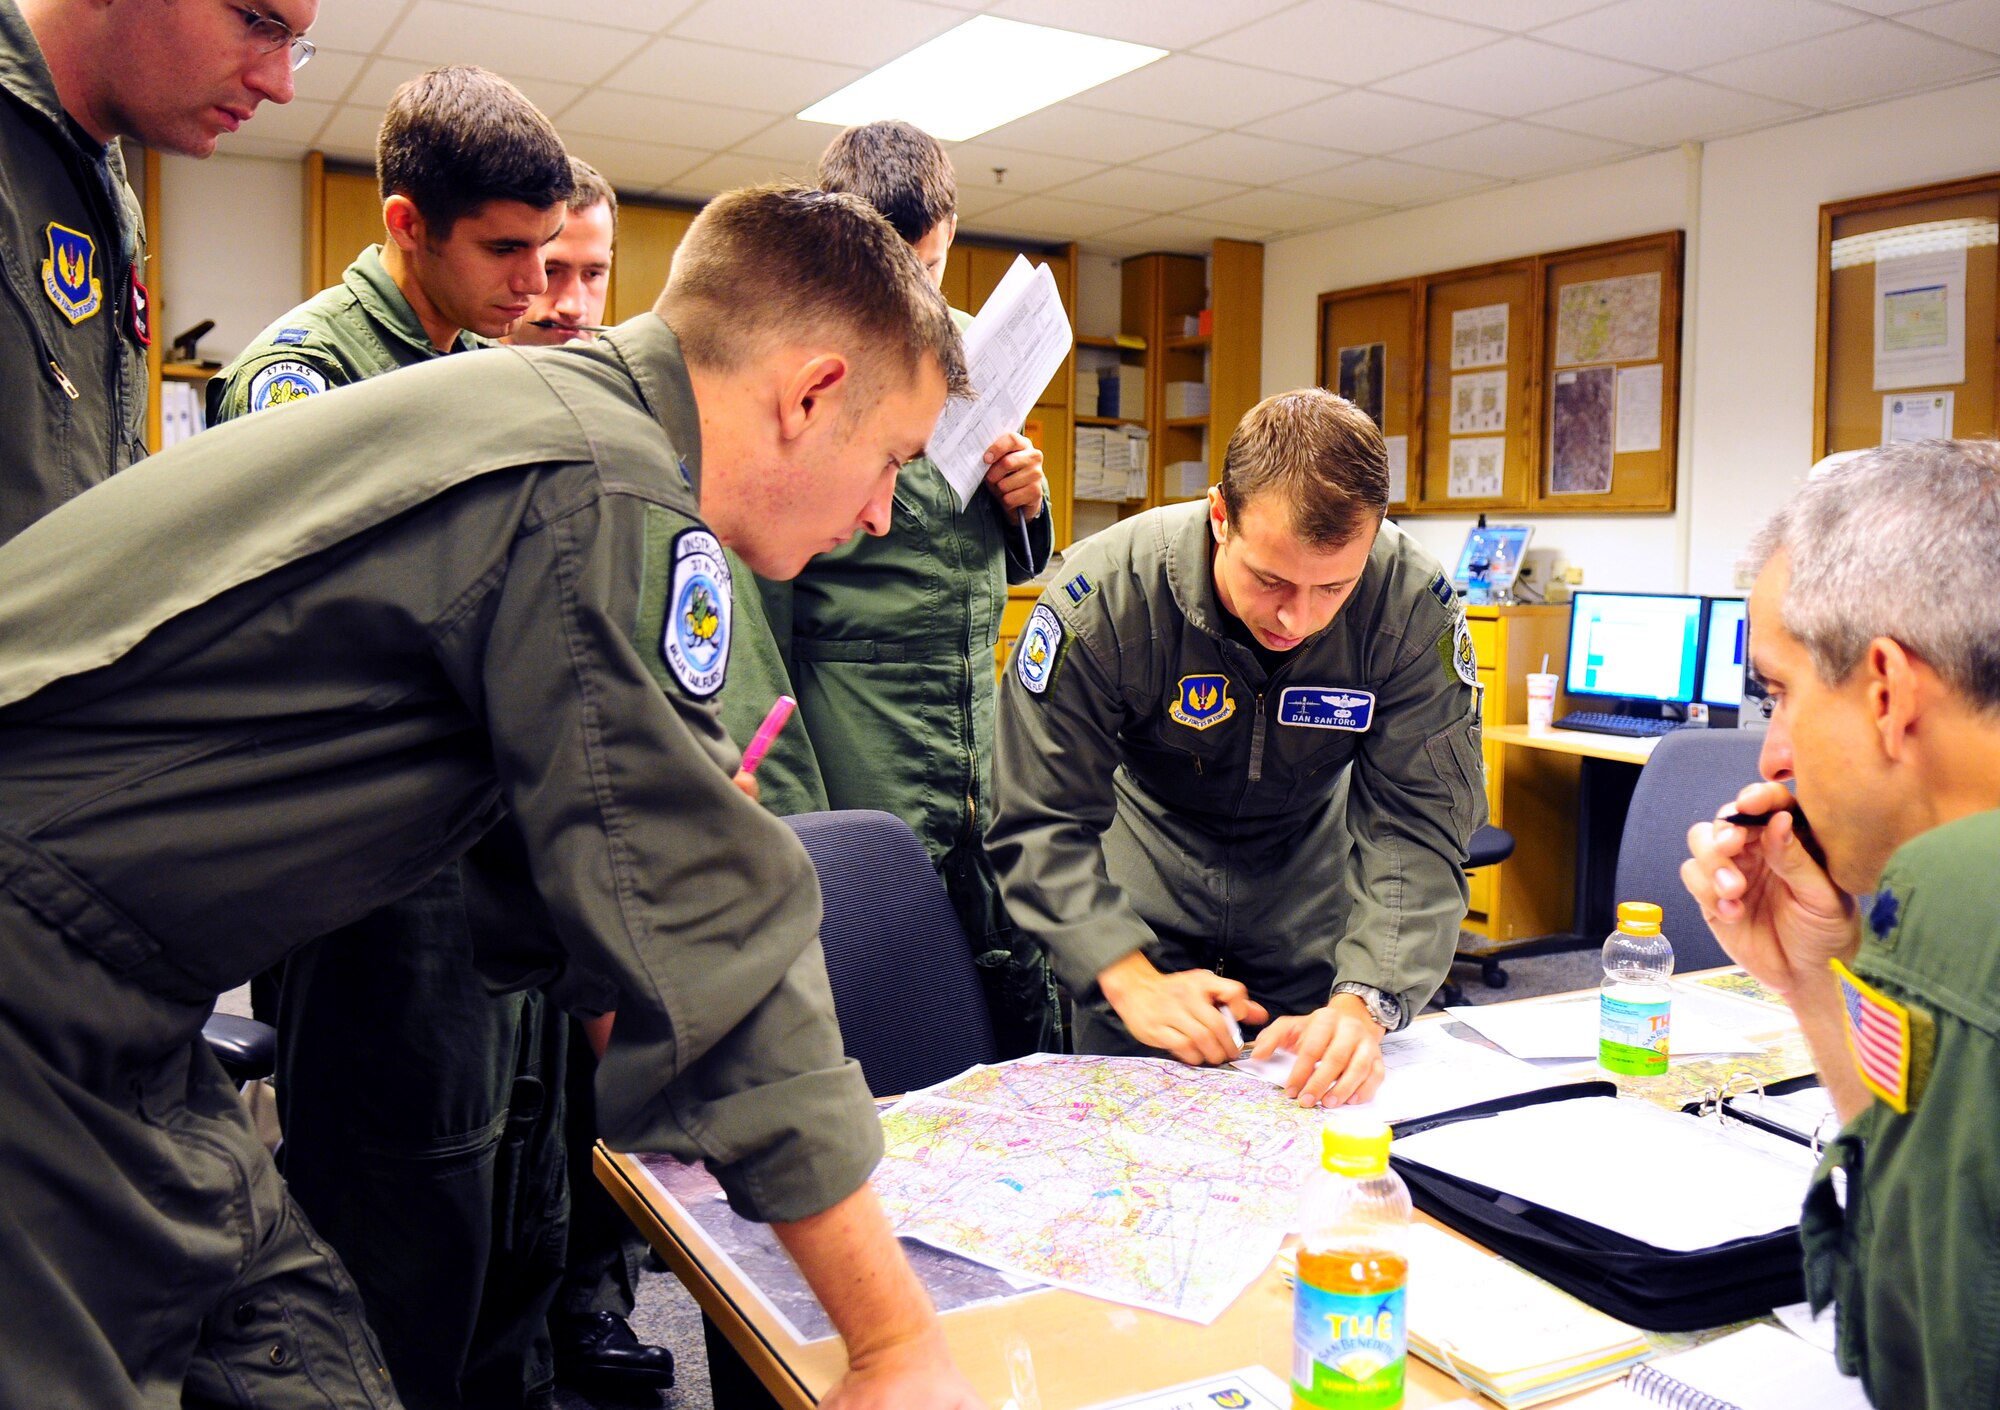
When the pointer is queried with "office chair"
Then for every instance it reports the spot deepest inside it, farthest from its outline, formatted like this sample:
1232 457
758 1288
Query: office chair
911 1008
1490 846
1691 773
247 1049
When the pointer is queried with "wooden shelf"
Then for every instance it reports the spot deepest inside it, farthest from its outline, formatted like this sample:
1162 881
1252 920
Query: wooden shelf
1198 340
188 371
1098 340
1109 421
1189 422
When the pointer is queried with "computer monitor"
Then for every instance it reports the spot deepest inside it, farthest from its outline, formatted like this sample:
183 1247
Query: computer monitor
1725 650
1636 646
1502 546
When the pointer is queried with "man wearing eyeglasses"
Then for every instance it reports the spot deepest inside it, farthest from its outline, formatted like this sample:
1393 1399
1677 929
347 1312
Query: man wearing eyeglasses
78 320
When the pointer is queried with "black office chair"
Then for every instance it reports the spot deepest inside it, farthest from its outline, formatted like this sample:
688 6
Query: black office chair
1490 846
911 1008
1691 773
247 1049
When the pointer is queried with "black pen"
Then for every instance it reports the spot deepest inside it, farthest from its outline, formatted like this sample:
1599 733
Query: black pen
1801 829
568 327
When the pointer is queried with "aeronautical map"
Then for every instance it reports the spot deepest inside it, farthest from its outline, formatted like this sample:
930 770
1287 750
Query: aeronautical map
1608 320
1132 1179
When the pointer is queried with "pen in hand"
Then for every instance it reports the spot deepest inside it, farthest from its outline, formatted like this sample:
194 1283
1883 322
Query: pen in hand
760 743
1801 829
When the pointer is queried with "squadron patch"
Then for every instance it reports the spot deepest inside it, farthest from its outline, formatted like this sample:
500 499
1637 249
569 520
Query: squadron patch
1455 651
695 635
1326 707
1203 702
1041 649
69 274
286 381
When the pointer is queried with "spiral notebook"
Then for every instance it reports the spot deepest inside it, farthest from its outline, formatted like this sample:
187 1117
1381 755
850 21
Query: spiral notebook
1758 1368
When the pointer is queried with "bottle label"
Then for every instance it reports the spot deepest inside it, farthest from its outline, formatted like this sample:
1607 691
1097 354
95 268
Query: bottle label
1347 1349
1632 1035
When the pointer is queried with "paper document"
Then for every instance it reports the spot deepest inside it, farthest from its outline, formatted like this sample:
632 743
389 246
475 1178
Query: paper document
1567 1028
1758 1368
1917 416
1802 1112
1252 1388
1920 320
1673 1181
1013 347
1428 1071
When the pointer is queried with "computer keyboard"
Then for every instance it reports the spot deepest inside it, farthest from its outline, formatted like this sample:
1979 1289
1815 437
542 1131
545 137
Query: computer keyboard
1631 726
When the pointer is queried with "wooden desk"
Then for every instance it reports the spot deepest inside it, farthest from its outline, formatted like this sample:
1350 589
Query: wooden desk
1575 741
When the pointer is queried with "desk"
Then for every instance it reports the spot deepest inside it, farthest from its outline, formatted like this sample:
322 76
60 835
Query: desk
1603 794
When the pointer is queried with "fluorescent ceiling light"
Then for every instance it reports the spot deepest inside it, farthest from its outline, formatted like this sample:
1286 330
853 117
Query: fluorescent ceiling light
986 72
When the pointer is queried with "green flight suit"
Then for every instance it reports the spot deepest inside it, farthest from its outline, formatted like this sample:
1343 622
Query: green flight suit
422 1114
891 652
789 780
1158 792
283 674
74 320
1912 1257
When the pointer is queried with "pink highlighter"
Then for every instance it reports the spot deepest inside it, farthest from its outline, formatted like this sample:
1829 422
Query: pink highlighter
760 743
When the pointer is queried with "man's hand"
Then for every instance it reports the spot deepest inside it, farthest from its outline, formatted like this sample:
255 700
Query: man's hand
1014 475
903 1375
747 782
1769 904
1339 1048
1178 1011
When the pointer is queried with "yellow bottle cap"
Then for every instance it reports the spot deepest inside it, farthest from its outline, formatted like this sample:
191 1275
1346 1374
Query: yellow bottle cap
1639 917
1354 1145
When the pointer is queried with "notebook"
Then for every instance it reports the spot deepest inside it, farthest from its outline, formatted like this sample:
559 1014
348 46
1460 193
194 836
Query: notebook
1758 1368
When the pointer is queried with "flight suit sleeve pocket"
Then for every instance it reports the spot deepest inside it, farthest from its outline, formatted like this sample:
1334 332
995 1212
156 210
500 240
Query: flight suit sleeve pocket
1455 756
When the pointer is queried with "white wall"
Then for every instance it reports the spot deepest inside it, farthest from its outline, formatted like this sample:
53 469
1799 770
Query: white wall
232 247
1750 206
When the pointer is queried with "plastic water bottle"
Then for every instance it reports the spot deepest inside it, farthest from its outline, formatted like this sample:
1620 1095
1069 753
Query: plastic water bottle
1634 1003
1348 1338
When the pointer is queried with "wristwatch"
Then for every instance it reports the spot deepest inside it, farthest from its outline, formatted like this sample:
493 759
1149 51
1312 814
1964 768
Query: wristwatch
1385 1009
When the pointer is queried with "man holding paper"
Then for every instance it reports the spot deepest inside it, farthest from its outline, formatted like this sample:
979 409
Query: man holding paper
1875 630
1239 763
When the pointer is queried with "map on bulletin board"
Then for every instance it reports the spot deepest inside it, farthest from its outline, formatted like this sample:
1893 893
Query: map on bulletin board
1608 320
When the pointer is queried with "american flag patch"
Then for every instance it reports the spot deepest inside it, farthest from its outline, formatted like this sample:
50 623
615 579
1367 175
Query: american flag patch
1878 1033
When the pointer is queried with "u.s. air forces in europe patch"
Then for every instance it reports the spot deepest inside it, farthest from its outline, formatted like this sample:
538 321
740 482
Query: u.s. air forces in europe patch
695 636
69 274
1203 702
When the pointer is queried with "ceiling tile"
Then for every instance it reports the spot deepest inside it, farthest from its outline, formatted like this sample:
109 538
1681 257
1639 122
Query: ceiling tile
976 201
1166 24
1974 22
1516 77
1362 120
1851 66
242 144
866 33
1179 233
1226 95
646 16
1388 183
609 113
1514 16
1668 112
1068 130
709 73
327 78
535 46
1686 34
791 140
1345 41
350 131
1050 218
1156 191
380 80
1235 156
1281 210
356 25
732 169
1027 173
1886 7
297 121
1513 150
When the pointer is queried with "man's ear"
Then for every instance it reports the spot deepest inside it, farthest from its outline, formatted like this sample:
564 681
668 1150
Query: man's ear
403 221
812 394
1218 514
1898 691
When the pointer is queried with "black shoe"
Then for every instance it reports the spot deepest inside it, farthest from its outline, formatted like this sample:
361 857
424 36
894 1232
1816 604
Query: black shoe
599 1350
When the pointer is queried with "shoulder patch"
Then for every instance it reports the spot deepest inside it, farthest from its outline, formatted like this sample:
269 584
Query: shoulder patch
289 336
69 274
694 638
1441 588
1454 648
286 380
1892 1043
1202 702
1078 588
1041 649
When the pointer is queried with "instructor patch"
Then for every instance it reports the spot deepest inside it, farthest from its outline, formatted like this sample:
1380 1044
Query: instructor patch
695 636
1041 649
1326 707
287 380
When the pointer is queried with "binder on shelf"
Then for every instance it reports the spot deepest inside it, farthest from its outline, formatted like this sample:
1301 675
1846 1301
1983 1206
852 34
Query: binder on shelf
1186 399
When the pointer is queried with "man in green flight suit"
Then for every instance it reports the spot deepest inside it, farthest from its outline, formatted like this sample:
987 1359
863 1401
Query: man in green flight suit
445 1197
1239 763
1874 627
284 672
77 319
889 641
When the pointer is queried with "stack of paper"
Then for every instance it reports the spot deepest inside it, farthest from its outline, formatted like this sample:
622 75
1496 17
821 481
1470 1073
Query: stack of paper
1758 1368
1121 391
1428 1071
1186 479
1518 1339
1187 399
1111 462
1567 1027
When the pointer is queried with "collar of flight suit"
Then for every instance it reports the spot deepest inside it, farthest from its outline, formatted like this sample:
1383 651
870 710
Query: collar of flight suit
651 354
24 71
385 302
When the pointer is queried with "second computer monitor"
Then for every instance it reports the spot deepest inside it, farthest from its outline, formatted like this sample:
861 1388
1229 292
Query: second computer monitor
1638 646
1726 652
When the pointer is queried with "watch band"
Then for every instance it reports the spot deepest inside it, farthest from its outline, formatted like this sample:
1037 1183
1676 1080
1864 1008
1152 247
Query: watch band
1386 1009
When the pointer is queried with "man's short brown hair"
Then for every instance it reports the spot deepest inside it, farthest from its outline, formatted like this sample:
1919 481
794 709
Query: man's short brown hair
587 188
784 262
458 137
897 168
1323 454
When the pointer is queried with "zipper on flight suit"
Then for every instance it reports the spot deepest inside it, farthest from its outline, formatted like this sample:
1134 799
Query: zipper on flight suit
1257 741
56 373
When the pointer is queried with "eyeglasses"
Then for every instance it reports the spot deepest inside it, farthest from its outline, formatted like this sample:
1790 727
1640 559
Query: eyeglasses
270 34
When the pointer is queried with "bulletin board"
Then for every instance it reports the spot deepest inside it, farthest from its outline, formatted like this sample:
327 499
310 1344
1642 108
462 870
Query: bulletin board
1609 377
1479 392
1907 316
1370 344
